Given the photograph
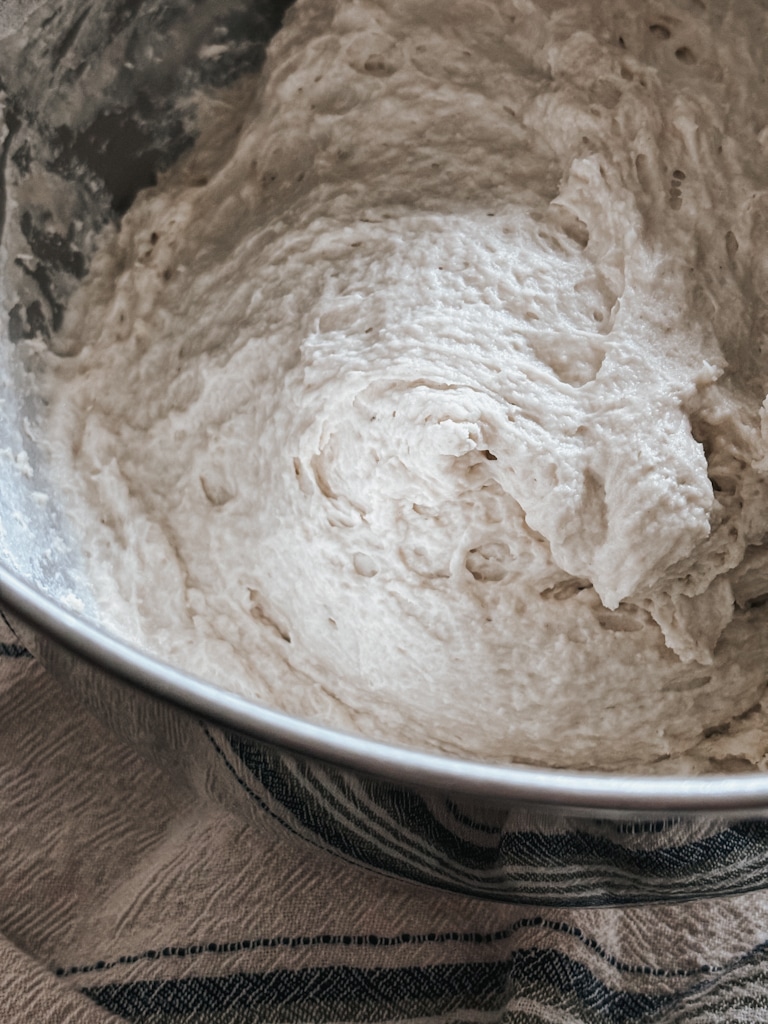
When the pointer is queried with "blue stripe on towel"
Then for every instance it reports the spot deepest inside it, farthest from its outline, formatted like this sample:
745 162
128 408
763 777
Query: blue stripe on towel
341 993
404 939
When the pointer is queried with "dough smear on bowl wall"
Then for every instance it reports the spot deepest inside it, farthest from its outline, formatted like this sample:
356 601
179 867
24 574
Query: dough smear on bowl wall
425 395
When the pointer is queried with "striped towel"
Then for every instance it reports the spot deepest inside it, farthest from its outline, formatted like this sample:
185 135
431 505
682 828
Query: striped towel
125 894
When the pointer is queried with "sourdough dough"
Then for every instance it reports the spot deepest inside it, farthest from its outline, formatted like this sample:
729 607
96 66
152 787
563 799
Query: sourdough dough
425 397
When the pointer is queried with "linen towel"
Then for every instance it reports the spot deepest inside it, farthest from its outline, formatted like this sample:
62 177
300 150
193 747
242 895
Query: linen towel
126 895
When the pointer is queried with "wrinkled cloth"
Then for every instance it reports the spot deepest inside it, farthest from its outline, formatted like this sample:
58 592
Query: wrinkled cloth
125 895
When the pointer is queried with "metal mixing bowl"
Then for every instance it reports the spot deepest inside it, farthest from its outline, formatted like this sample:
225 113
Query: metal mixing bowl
89 121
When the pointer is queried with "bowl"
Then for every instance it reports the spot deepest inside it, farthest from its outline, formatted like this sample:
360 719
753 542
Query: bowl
98 101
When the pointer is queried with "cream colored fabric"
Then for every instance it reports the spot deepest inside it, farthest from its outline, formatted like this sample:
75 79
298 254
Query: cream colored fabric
105 863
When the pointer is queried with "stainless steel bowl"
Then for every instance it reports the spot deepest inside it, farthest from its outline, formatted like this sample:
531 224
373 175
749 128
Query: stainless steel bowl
89 122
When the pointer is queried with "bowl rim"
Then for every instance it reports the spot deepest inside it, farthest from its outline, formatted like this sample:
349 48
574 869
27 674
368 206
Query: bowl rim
573 791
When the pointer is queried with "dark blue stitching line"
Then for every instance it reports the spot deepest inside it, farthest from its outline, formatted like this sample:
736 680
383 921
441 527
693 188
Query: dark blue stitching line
294 943
438 938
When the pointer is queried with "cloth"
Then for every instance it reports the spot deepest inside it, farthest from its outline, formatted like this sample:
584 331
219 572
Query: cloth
126 895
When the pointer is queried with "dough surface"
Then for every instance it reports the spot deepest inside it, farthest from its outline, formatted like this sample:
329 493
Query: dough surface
425 396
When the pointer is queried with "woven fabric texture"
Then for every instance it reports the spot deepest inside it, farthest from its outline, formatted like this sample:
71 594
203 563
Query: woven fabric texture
126 895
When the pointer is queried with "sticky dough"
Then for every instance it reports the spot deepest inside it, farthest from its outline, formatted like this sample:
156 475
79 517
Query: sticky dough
424 397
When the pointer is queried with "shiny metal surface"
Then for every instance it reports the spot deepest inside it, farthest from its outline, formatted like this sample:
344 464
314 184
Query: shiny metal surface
576 792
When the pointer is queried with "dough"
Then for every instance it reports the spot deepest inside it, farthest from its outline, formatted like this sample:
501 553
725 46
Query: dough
425 396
